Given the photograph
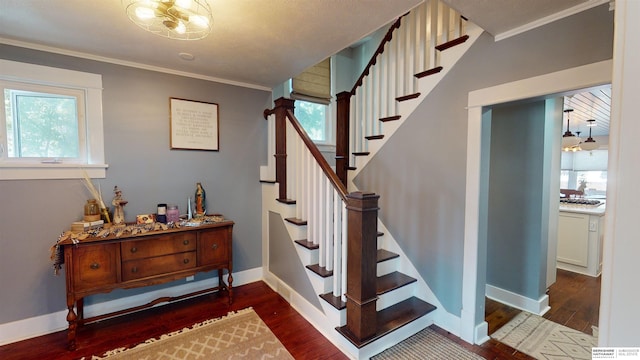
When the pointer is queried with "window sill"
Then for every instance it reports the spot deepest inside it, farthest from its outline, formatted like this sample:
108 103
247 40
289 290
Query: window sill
326 147
51 171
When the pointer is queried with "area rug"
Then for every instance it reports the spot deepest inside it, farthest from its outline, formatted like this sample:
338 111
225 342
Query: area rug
239 335
544 339
427 345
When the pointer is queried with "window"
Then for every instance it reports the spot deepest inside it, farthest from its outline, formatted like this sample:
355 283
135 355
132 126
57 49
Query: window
50 124
313 117
312 91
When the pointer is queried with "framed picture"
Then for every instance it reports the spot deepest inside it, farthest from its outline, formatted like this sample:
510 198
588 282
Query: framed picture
194 125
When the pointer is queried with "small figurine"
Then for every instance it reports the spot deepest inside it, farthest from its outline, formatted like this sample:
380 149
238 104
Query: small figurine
118 203
201 197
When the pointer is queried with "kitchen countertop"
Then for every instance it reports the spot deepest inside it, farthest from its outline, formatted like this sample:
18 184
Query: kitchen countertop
581 209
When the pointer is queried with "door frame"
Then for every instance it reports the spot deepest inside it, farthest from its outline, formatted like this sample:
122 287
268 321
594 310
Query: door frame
473 328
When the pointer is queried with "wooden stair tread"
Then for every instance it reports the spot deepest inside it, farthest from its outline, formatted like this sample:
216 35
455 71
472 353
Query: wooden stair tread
390 118
268 181
307 244
425 73
334 301
286 201
384 255
361 153
392 318
374 137
296 221
452 43
352 168
320 270
392 281
407 97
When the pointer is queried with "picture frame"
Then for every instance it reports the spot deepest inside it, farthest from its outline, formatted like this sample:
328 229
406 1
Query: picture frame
194 125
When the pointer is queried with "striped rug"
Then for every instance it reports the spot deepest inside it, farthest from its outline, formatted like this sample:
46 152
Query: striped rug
544 339
427 345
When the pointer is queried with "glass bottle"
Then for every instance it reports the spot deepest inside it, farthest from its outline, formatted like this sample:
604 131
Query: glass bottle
91 210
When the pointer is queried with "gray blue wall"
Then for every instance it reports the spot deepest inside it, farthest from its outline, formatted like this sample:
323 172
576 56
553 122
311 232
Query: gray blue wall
420 172
136 129
515 213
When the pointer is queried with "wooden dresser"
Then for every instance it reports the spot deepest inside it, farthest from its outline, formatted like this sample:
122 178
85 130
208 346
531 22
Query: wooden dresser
100 265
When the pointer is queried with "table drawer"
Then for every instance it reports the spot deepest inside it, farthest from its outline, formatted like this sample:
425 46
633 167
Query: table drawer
94 265
141 268
156 246
213 247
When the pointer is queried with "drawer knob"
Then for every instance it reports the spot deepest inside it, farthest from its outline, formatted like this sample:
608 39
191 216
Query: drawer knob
186 242
186 261
95 266
134 269
134 249
215 246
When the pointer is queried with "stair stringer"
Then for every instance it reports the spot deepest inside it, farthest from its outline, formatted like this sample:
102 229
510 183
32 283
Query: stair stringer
448 58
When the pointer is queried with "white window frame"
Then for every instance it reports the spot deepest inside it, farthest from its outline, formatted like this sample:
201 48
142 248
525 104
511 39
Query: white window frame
86 83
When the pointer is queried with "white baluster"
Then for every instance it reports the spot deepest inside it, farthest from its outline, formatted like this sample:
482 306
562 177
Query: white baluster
319 218
337 244
345 239
328 223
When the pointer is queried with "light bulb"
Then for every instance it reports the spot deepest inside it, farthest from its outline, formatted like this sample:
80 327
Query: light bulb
199 20
180 29
145 13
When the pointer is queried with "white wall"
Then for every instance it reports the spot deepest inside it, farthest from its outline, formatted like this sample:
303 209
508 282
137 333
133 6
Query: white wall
619 312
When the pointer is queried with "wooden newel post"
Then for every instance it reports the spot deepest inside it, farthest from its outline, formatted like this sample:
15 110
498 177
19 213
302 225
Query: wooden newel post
361 265
342 135
280 110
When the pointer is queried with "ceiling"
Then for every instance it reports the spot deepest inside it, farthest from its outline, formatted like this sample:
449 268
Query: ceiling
254 43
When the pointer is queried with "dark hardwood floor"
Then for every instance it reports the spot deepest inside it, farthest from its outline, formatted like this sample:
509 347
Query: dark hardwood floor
574 301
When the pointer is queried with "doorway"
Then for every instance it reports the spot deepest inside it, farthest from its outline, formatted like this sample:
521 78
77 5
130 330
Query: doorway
473 326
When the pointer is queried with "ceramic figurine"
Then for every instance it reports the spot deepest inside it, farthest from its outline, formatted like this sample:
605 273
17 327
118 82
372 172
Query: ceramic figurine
118 203
201 197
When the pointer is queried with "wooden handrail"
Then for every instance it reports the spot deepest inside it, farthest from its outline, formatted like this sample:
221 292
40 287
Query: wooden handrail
388 36
324 165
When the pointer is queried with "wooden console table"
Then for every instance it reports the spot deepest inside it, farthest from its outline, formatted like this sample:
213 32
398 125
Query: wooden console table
100 265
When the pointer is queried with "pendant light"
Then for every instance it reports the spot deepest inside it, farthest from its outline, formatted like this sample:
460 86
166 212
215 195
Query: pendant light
590 144
568 139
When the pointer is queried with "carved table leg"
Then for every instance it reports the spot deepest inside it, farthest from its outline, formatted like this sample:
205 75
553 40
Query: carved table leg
230 287
73 324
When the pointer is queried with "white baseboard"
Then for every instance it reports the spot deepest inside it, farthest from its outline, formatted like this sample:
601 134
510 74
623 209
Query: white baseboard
538 307
52 322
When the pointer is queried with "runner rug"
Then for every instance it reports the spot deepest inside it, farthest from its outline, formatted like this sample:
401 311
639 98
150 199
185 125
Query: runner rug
239 335
544 339
427 345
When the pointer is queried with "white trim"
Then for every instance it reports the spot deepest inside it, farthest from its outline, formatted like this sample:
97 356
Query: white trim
549 19
557 82
52 322
538 307
132 64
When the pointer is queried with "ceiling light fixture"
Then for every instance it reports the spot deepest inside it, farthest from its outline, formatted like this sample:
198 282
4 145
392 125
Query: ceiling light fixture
174 19
589 144
568 139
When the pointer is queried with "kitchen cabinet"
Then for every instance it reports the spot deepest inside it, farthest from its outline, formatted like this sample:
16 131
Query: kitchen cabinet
580 234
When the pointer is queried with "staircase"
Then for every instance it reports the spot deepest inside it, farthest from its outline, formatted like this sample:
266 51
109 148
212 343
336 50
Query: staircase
370 292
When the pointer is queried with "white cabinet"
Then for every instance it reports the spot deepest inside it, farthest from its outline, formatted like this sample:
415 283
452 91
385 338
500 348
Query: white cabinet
580 242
